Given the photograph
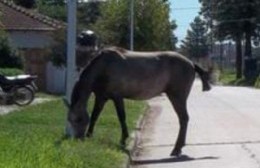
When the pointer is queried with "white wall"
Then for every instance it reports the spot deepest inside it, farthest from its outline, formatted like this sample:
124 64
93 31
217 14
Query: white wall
30 39
56 79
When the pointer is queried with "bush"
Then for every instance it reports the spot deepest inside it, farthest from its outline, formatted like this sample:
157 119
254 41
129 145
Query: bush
25 3
54 9
9 57
257 82
227 77
10 71
58 55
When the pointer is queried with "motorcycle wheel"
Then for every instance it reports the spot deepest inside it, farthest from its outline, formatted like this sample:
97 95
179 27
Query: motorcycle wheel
23 96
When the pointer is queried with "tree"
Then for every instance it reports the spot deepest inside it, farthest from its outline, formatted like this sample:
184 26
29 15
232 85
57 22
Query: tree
174 39
152 27
25 3
9 58
51 2
196 45
256 38
88 13
110 20
153 30
53 8
234 20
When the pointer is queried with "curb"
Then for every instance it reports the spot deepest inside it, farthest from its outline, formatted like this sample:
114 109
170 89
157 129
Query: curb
132 147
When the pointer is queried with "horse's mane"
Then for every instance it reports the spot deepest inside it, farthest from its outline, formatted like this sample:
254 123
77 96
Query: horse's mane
98 53
79 85
117 49
75 94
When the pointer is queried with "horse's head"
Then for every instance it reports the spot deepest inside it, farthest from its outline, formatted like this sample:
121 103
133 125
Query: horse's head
77 121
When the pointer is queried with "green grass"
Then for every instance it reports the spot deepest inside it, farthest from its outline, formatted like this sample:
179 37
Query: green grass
227 77
11 71
257 82
30 138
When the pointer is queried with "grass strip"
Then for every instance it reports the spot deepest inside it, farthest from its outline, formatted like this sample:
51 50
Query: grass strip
29 138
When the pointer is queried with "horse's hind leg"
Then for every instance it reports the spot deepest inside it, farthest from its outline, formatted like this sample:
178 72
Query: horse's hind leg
120 109
98 107
179 104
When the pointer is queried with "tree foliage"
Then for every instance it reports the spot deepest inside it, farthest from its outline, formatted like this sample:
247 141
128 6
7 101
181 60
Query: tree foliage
236 20
88 13
25 3
110 20
153 30
112 26
58 50
196 45
9 57
53 8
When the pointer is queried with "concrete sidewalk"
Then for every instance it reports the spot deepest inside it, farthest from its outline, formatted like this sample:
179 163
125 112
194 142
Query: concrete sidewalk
5 109
223 132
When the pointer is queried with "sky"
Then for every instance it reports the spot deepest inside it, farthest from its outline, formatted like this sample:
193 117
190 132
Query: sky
184 12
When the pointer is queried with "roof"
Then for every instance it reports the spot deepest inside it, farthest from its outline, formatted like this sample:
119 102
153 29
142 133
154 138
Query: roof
14 17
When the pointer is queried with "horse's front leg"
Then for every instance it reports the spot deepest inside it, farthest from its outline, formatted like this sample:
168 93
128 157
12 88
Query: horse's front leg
120 109
98 107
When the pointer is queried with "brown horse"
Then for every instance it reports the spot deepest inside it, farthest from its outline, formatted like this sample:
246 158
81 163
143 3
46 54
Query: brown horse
116 73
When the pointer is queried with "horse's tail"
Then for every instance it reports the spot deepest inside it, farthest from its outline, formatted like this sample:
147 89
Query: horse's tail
204 76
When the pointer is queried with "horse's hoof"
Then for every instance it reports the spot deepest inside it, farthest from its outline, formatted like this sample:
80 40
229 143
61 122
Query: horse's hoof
176 153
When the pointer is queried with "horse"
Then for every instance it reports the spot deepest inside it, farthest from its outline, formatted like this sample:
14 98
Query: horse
117 74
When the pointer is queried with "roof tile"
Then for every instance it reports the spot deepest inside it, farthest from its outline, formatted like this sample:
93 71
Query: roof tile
14 17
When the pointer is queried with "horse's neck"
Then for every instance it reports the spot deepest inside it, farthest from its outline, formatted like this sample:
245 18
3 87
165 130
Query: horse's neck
80 95
83 99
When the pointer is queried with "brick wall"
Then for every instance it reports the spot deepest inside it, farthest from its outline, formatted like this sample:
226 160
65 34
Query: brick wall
35 62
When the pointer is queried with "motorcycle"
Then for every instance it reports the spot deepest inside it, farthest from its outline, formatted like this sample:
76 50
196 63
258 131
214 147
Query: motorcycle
19 90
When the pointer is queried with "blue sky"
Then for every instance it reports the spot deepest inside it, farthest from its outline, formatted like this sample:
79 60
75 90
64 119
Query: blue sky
183 11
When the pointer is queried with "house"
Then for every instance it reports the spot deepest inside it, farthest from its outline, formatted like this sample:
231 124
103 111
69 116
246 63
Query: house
224 54
32 34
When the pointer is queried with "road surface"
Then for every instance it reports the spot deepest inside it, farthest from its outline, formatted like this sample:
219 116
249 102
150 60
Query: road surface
223 132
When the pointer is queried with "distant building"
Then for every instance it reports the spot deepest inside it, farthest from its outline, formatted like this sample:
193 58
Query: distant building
224 54
32 34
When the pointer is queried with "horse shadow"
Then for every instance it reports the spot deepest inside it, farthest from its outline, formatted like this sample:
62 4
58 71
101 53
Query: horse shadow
182 158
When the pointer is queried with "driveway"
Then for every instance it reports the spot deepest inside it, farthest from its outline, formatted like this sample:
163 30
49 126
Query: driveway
223 132
4 109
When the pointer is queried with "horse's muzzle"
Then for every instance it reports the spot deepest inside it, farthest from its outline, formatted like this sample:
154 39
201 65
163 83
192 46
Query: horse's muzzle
69 131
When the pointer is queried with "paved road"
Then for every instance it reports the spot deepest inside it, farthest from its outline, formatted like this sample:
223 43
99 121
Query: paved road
224 131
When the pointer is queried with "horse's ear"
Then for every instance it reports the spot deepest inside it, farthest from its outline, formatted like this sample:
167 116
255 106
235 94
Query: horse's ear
65 101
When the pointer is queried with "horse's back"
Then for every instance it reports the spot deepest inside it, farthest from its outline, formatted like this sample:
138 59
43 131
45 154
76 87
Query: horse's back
141 75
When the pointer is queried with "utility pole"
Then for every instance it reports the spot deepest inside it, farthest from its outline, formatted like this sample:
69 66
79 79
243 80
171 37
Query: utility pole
132 25
71 48
211 28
